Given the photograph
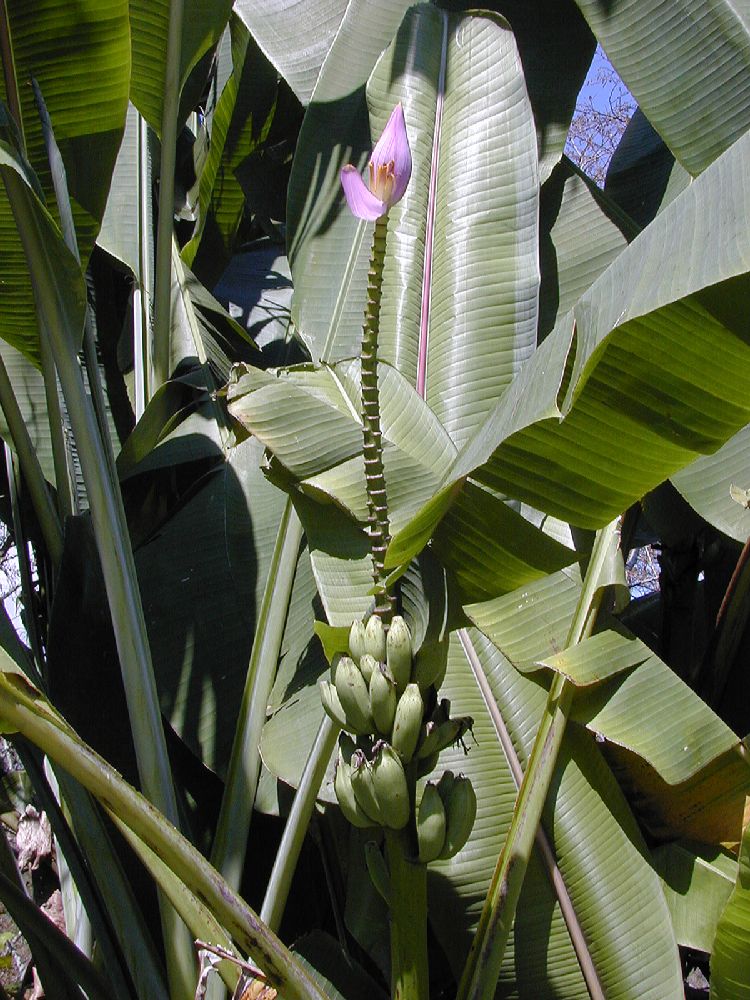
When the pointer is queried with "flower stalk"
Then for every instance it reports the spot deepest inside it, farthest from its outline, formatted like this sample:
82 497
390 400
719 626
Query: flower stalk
408 904
377 501
389 171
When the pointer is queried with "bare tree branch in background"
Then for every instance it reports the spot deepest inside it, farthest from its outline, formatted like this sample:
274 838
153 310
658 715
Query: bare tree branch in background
600 119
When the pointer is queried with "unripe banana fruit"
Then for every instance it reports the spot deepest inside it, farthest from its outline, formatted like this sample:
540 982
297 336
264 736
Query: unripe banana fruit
375 638
367 665
391 789
460 802
363 787
342 785
440 735
357 641
398 652
430 824
354 696
332 705
407 722
383 699
445 784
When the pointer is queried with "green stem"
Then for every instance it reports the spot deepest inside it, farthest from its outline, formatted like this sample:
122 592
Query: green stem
410 978
195 915
480 975
285 864
118 923
63 482
90 428
143 298
67 227
113 544
24 710
230 842
165 222
93 920
377 503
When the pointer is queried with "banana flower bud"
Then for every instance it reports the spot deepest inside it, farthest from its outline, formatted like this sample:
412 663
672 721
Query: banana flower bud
389 172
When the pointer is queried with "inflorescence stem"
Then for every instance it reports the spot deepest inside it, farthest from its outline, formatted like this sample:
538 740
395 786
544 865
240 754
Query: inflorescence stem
377 503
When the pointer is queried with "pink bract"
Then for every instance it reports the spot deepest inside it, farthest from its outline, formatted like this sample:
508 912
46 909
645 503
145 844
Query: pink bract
389 172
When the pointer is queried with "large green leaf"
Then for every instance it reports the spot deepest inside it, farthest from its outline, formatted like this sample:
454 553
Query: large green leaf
28 386
624 688
21 210
615 897
80 56
127 227
730 962
232 130
296 38
581 233
202 25
630 363
706 485
309 418
461 275
491 548
686 63
204 572
697 883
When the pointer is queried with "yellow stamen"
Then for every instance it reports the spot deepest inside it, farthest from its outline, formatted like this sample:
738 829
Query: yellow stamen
382 181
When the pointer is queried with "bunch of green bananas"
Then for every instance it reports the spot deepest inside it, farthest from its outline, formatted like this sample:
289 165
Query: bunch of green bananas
372 792
381 690
385 697
445 816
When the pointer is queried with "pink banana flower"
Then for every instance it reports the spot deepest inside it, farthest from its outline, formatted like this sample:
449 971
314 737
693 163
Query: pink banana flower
389 172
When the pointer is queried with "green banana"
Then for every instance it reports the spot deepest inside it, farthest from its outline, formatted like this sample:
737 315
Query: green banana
354 696
427 741
391 789
332 705
363 787
378 869
357 640
407 722
438 736
398 652
460 812
367 665
375 638
447 778
342 786
430 824
383 699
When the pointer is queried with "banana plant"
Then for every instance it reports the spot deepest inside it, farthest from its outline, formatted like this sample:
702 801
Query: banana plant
543 427
530 394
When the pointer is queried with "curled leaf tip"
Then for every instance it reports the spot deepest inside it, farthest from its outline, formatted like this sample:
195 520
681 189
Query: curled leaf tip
388 174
